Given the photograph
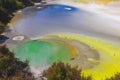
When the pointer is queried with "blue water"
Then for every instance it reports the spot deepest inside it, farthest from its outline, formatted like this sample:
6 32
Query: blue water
59 18
55 11
3 39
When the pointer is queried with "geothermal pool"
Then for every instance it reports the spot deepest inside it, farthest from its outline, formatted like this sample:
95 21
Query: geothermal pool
59 32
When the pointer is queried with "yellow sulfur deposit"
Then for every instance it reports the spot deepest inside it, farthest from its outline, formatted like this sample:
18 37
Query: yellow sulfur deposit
109 56
98 1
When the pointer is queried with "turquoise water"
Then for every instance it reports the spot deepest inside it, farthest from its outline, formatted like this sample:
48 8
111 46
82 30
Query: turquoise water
41 53
65 19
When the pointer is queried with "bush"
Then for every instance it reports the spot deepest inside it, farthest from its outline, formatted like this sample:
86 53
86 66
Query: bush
2 28
61 71
4 16
12 68
11 4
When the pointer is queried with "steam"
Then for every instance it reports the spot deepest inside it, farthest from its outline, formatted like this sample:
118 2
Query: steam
96 18
111 10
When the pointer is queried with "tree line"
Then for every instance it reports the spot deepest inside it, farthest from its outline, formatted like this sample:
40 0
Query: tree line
7 7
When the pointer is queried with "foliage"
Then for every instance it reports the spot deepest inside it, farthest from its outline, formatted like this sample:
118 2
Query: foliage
10 4
2 28
26 2
11 68
7 7
4 17
61 71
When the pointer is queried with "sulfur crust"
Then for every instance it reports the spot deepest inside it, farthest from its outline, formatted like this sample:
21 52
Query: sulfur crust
109 56
98 1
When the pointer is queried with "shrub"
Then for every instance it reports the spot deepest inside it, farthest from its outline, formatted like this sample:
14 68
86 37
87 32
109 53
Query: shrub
12 68
61 71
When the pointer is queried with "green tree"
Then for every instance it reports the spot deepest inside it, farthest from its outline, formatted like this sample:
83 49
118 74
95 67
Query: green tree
2 28
4 17
61 71
11 4
12 68
7 7
27 2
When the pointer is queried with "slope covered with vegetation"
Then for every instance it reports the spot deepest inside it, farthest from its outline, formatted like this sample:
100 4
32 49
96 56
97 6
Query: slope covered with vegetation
7 7
12 68
61 71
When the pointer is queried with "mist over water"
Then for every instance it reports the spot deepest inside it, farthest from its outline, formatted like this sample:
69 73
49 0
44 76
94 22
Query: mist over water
36 24
90 19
